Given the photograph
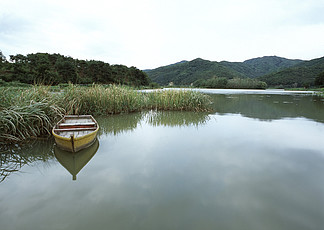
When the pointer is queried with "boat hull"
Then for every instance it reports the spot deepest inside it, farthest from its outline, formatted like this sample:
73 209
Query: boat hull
74 143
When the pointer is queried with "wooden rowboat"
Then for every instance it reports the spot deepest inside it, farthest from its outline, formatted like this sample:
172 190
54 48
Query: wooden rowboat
75 132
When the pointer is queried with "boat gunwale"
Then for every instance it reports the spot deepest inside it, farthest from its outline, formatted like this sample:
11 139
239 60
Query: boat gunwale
75 138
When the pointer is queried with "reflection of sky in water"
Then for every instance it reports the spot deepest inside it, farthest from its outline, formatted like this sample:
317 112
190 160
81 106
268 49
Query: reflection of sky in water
230 173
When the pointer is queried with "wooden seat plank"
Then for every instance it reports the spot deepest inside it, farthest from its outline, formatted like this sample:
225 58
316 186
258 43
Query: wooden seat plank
75 129
79 123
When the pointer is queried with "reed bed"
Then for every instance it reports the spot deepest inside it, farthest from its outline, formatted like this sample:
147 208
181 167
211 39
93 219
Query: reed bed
100 100
32 112
178 100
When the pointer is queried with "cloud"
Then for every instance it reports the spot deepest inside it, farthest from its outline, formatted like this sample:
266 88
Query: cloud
148 34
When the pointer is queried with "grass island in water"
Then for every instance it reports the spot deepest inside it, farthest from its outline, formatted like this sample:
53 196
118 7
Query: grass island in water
33 111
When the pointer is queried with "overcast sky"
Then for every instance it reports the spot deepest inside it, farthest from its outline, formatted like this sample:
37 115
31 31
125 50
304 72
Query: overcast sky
152 33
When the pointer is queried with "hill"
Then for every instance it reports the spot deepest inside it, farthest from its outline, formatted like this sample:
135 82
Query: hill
300 75
185 73
268 64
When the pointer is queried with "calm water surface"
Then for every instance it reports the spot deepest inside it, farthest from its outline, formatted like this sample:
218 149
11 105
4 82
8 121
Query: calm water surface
255 162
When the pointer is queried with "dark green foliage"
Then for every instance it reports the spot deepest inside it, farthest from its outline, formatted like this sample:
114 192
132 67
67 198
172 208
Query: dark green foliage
215 82
44 68
319 80
246 83
235 83
301 75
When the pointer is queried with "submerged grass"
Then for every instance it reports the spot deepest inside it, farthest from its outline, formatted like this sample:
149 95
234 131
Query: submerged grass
32 112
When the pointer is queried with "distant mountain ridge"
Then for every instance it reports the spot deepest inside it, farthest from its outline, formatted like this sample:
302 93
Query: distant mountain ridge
302 74
185 73
264 68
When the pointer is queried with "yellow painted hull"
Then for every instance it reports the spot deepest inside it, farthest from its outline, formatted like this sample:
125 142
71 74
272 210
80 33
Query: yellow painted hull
74 141
75 144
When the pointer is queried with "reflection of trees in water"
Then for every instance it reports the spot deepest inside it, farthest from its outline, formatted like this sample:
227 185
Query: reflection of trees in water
117 124
176 118
269 107
14 157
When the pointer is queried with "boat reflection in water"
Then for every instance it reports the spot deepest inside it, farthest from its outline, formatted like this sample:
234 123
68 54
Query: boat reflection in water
74 162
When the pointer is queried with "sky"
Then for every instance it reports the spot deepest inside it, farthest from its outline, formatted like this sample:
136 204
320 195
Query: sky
152 33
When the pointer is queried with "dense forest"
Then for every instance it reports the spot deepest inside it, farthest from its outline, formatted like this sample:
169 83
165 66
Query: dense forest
274 71
44 68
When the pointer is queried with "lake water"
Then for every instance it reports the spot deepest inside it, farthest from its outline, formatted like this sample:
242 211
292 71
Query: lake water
255 162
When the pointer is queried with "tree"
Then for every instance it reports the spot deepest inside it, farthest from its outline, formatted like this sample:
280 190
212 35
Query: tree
67 71
319 80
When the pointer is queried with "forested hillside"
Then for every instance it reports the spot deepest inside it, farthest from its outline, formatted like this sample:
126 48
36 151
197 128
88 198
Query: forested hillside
47 68
185 73
301 75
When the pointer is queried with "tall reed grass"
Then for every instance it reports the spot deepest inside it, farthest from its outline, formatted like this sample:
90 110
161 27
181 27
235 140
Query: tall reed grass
180 100
32 112
26 113
100 100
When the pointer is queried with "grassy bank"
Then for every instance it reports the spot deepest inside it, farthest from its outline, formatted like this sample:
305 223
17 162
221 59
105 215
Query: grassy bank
318 91
32 112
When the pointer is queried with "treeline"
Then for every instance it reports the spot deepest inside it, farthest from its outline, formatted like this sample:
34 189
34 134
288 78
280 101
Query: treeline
44 68
235 83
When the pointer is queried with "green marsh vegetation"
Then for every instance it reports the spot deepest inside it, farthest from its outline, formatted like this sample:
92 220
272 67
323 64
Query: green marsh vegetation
33 111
